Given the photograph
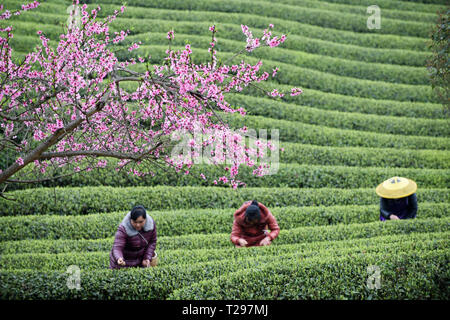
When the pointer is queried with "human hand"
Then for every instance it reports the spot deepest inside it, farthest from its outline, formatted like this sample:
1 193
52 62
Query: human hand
146 263
242 242
121 262
394 217
265 242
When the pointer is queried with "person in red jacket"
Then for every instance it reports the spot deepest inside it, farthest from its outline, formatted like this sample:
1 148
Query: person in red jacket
250 225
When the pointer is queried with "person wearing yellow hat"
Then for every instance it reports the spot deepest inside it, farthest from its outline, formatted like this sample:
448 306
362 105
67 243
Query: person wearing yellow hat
398 199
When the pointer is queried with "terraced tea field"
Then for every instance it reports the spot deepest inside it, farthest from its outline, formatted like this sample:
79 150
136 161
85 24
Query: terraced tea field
367 113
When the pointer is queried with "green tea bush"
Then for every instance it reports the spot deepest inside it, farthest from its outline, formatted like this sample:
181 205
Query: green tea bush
132 15
310 79
320 135
346 120
355 69
76 201
339 232
409 6
360 7
287 175
404 275
99 260
322 18
191 221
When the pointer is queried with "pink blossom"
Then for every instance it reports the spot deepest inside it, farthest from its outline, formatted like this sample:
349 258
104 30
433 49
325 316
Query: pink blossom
276 93
223 179
274 72
134 46
30 6
102 163
19 161
296 91
83 68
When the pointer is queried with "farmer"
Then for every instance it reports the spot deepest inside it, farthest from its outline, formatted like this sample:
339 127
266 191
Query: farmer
250 225
398 199
135 241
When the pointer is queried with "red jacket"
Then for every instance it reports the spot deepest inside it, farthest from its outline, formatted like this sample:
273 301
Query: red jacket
253 234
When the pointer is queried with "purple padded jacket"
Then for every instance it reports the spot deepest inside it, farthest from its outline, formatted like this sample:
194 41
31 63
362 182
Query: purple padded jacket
132 245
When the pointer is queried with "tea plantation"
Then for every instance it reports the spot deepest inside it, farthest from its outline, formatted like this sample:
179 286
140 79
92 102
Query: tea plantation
367 113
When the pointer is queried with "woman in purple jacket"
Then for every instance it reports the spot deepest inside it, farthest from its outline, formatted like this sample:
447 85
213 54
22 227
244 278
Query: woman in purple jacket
135 241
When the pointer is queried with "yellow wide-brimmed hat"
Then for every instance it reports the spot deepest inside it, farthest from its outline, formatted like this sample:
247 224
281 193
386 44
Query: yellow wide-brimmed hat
396 187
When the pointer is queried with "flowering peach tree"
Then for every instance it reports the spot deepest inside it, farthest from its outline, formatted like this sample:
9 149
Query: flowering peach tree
66 106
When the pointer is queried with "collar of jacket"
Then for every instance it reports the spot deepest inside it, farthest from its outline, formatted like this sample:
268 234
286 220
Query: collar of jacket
131 231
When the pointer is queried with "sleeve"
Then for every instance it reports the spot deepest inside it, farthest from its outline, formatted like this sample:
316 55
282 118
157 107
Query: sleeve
119 243
236 231
272 222
412 210
151 245
383 208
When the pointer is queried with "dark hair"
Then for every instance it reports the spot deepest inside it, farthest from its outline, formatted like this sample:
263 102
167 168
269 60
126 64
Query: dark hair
138 211
252 212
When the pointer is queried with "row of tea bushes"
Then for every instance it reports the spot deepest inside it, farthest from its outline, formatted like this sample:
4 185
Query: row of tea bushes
298 132
404 275
330 233
285 175
86 200
337 66
360 7
277 109
425 6
298 42
329 276
189 30
306 78
135 283
317 17
137 21
100 260
191 221
293 153
344 103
